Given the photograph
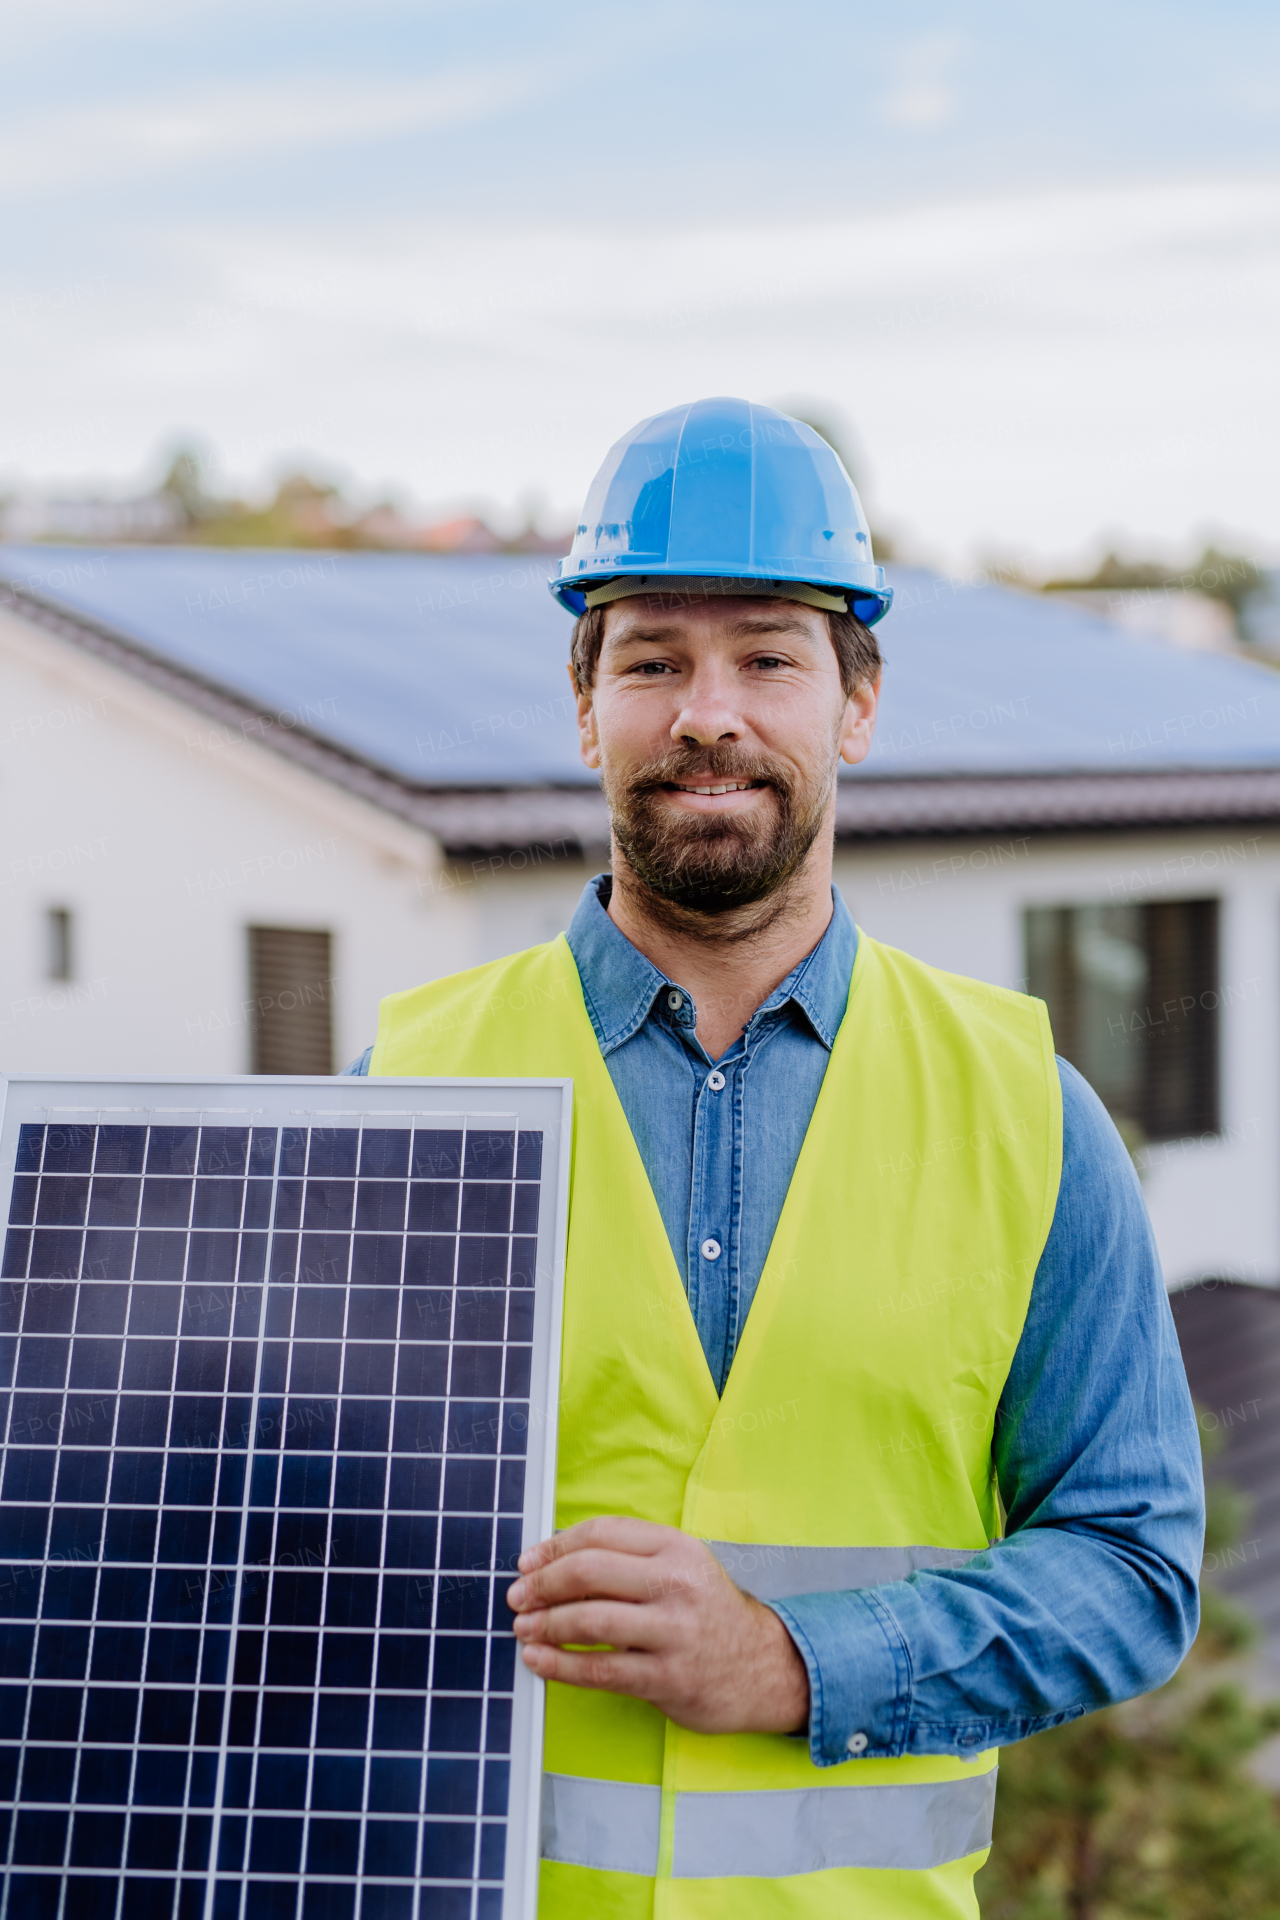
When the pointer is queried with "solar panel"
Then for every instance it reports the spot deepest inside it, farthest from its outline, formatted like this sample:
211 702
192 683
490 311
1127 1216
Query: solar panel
280 1360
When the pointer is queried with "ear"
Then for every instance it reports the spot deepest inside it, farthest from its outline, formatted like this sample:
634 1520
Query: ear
859 722
588 737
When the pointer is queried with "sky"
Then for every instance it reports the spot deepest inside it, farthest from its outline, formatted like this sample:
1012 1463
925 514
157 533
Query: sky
1025 260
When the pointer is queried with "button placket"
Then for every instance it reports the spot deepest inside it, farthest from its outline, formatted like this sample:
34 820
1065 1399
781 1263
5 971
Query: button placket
710 1246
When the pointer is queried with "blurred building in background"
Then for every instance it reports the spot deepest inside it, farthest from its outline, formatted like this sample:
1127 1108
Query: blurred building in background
245 793
303 512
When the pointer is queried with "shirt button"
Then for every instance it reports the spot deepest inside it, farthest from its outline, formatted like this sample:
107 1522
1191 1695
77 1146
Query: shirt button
675 1000
856 1743
715 1081
710 1249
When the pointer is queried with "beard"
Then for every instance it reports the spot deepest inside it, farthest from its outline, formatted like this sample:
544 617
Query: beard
711 864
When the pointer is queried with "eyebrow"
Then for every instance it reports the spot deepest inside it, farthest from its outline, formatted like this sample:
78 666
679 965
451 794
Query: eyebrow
744 628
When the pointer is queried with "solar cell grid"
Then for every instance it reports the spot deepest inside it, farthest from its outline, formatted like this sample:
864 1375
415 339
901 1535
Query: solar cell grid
267 1399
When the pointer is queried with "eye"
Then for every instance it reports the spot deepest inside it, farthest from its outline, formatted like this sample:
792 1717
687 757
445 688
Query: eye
651 668
768 660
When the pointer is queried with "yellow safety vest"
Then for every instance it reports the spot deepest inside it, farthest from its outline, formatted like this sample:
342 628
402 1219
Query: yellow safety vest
852 1444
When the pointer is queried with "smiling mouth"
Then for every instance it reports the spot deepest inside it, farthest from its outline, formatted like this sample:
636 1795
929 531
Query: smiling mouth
724 786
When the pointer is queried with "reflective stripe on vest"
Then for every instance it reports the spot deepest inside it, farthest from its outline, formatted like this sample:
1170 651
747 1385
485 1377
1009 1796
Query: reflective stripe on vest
859 1408
779 1573
613 1827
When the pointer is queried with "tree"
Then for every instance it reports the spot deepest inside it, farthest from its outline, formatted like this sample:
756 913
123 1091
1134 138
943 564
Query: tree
1227 577
183 484
1146 1809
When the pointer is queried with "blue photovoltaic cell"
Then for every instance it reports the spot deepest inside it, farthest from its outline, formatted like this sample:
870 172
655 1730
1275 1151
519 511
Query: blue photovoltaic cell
266 1407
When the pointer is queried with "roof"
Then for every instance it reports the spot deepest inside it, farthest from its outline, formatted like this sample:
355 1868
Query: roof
436 686
444 671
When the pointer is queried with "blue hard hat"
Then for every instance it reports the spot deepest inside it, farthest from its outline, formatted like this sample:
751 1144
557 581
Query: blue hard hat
724 490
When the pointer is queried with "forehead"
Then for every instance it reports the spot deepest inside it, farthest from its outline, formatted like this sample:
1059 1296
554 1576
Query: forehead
657 617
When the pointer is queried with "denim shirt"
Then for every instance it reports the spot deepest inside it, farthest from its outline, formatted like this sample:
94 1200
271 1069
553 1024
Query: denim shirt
1091 1597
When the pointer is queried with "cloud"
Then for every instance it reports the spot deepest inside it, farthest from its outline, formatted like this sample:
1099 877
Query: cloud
1025 368
921 107
35 30
924 98
70 147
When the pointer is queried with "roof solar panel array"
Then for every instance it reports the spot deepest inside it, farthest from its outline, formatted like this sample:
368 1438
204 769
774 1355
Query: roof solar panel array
267 1469
396 657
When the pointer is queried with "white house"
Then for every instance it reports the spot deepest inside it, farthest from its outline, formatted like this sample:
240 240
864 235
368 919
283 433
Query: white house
245 794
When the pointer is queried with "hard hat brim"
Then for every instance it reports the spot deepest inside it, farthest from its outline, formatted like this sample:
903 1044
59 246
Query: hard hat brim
868 599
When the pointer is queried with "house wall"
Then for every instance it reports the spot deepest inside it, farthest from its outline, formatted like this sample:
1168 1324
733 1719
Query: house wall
166 838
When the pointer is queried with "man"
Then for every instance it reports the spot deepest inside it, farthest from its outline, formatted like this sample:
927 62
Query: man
876 1448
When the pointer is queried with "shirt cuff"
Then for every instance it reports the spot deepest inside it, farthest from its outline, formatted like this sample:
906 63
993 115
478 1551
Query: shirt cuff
859 1674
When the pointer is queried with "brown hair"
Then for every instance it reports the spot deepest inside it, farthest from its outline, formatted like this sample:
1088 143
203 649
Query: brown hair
855 645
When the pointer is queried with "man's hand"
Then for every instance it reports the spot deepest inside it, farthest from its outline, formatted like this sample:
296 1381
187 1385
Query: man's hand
679 1633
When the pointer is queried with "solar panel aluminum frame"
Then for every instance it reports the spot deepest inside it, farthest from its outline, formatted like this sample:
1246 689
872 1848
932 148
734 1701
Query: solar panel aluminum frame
283 1101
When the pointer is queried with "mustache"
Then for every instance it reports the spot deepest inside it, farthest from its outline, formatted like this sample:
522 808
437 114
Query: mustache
698 766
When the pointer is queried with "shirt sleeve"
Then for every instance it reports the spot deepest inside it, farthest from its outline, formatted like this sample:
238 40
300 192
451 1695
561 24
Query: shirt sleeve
360 1066
1092 1596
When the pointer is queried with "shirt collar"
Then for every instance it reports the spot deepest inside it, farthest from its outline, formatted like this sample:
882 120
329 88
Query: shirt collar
620 986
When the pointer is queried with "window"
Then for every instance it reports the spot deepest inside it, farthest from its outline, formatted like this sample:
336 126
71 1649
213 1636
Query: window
58 943
1132 993
291 992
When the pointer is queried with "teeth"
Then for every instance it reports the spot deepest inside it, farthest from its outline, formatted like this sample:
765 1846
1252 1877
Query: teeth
739 786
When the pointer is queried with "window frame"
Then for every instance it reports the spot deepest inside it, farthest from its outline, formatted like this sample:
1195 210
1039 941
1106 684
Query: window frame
1173 1020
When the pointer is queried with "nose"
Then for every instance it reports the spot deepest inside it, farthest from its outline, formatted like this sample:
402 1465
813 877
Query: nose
708 713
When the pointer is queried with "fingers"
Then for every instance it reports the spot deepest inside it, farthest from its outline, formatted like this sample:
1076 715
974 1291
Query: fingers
593 1623
613 1531
608 1672
591 1572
